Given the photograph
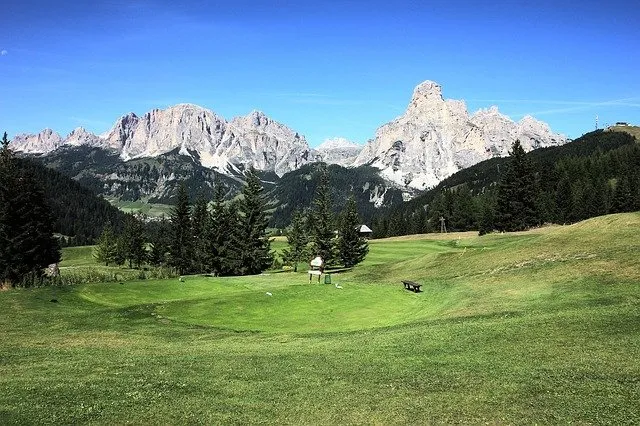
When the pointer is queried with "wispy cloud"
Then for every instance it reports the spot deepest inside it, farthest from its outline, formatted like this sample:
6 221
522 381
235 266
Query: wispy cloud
4 52
585 106
563 106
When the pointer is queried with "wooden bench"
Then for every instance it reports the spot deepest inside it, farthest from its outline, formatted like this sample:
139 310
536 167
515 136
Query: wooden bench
412 286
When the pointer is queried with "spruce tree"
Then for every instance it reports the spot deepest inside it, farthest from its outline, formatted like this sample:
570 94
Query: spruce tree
27 243
106 248
518 193
352 247
563 199
486 218
133 238
181 245
159 242
218 235
199 218
322 221
255 255
297 239
623 196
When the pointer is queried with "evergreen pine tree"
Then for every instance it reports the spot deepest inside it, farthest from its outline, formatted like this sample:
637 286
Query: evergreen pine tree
27 244
322 226
254 255
577 202
486 217
181 245
518 193
218 235
199 218
158 237
352 246
622 196
133 239
106 248
563 199
462 212
121 251
297 239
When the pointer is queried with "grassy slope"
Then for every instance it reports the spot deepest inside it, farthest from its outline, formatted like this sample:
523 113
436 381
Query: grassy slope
149 209
632 130
540 327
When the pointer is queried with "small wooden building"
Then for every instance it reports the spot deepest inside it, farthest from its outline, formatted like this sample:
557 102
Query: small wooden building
365 231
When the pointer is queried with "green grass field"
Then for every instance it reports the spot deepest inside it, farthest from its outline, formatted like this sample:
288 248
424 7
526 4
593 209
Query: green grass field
149 209
538 327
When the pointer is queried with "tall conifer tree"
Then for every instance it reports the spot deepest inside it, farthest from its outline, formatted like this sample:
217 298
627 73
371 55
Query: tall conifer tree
322 221
255 255
352 246
518 193
297 239
27 244
218 235
105 250
133 240
181 245
199 218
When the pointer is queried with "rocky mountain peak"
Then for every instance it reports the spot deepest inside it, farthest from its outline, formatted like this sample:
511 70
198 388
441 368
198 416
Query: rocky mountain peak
429 90
41 143
79 136
258 118
337 143
339 151
435 138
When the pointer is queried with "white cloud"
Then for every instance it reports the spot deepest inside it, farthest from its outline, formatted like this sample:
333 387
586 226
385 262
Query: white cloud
3 52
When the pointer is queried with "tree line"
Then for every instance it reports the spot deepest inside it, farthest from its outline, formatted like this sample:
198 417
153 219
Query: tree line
27 243
230 238
554 189
205 236
318 231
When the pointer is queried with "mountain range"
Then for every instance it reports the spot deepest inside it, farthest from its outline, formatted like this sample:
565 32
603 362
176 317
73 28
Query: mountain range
145 157
433 139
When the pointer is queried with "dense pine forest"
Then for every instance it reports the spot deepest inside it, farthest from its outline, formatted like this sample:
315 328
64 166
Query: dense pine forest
79 215
222 238
296 190
597 174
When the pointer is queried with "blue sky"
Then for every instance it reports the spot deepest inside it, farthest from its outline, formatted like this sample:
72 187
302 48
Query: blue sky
324 68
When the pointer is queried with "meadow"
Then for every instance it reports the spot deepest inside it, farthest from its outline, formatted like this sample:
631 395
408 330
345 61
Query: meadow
534 327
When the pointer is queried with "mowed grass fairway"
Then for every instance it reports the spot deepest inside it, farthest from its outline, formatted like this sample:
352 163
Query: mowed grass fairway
537 327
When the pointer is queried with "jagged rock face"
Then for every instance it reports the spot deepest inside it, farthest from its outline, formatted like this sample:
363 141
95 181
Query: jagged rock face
41 143
268 145
338 151
253 140
436 138
80 137
432 140
187 127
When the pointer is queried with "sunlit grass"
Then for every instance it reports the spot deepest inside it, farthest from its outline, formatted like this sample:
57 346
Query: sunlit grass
538 327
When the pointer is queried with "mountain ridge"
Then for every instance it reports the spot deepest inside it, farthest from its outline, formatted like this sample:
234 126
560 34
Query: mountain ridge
434 138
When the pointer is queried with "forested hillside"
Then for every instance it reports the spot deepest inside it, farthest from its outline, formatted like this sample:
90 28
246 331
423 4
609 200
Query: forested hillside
79 214
295 191
152 180
596 174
